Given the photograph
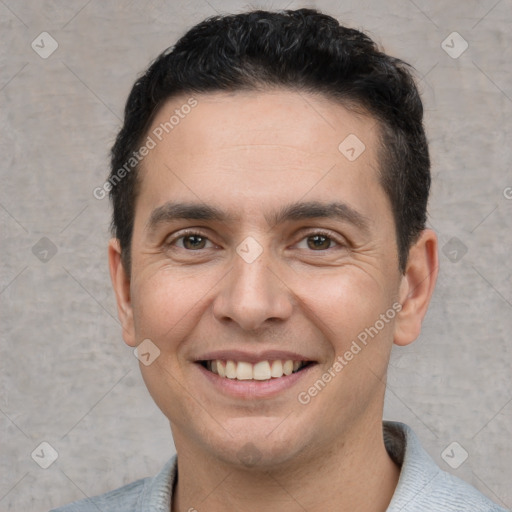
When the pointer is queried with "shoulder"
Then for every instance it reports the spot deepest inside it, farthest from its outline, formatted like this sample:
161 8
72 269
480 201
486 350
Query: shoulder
125 498
144 495
423 485
458 495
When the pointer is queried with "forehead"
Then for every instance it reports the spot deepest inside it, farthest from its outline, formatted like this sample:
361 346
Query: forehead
303 122
275 143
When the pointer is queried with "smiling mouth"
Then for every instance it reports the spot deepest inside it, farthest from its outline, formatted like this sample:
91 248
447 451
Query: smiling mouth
260 371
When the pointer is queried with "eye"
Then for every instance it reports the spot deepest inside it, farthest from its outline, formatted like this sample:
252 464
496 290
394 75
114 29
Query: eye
191 242
317 242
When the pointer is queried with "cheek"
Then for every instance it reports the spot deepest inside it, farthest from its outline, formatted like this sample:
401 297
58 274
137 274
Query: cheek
166 308
164 304
348 309
345 303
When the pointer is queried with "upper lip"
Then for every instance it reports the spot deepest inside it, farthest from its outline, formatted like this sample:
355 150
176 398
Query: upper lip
252 357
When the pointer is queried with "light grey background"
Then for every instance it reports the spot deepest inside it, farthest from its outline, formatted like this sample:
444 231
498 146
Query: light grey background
66 376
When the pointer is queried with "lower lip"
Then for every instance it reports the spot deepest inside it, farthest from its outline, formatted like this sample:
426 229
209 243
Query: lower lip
252 389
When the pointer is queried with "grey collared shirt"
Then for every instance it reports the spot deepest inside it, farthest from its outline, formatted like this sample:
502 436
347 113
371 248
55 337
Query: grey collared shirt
422 487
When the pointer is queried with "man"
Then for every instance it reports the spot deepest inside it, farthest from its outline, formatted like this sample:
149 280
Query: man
270 185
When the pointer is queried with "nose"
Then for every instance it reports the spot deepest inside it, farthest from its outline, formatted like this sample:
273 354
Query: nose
253 294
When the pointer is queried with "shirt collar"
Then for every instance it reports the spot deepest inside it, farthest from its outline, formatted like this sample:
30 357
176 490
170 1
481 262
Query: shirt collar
418 470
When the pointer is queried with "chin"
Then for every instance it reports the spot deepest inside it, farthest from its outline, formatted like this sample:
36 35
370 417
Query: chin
264 443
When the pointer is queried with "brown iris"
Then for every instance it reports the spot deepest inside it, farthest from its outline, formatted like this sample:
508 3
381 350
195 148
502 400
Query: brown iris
316 242
194 242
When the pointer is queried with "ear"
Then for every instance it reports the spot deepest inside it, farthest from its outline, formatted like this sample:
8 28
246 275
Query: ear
121 285
416 287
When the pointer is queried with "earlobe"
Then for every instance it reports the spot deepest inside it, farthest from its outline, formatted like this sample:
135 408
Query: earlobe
417 287
121 285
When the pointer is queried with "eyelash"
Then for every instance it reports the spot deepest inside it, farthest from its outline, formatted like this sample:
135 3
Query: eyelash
326 234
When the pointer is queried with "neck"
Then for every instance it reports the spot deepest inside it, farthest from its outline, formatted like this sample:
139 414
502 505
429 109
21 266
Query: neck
355 474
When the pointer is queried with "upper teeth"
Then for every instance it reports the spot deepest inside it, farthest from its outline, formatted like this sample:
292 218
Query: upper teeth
262 370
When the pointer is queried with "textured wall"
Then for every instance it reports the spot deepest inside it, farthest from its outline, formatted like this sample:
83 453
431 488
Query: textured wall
66 377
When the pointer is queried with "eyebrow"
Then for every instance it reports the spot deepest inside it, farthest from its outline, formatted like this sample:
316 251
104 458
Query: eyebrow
316 209
172 211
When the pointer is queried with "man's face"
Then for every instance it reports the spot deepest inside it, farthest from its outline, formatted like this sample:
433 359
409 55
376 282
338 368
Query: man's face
271 270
